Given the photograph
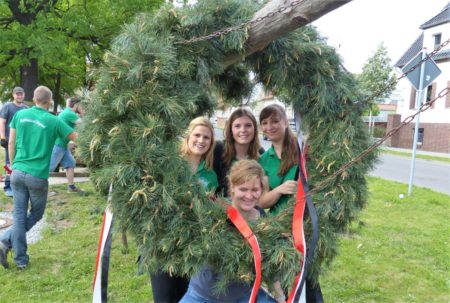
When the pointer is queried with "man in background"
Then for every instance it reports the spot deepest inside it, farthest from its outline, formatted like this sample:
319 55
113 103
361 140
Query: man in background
62 151
6 115
32 136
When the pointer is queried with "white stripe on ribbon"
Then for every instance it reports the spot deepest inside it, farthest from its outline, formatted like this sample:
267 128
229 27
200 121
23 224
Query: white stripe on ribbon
106 230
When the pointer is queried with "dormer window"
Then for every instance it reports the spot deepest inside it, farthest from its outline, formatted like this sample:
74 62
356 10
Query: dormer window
437 40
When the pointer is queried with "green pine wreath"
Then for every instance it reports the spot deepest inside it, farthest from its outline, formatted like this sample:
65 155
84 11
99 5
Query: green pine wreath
151 86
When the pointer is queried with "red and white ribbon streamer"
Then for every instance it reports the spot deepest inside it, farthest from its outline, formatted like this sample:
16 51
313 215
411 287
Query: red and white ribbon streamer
242 226
100 283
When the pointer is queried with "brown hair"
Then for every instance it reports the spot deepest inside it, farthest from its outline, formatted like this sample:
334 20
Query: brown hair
230 151
246 170
289 153
209 155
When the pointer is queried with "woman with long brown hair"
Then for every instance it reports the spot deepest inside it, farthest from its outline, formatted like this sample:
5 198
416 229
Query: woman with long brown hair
240 142
280 162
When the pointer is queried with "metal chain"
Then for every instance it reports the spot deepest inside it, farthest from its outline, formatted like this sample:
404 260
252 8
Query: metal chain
389 134
393 131
235 28
394 82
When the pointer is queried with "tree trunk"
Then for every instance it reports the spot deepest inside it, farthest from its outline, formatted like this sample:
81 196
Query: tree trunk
264 32
29 78
57 93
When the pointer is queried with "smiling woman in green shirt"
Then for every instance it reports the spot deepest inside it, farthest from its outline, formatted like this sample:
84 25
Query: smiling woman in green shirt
197 149
280 162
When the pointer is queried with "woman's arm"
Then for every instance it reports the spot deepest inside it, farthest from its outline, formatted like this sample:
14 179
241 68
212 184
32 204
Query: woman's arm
270 198
278 293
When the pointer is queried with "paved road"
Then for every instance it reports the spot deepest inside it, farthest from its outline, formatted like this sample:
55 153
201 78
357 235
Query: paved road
430 174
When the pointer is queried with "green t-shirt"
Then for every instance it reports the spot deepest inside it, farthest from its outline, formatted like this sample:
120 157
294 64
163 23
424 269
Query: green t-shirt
36 132
207 177
271 163
69 117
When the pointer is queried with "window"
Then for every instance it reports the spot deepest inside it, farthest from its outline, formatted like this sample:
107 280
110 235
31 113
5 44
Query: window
437 40
429 91
419 137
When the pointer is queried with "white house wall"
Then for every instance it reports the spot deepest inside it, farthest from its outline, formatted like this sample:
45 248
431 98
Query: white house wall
439 114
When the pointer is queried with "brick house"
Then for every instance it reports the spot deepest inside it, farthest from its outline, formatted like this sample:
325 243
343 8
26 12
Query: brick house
434 127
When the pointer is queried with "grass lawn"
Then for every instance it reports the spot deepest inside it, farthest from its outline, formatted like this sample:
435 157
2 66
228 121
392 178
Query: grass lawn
400 255
62 264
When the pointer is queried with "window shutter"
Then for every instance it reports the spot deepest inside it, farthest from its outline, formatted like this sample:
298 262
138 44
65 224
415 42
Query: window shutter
447 99
433 94
412 98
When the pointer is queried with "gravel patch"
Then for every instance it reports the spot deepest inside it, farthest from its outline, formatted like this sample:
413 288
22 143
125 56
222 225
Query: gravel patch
33 235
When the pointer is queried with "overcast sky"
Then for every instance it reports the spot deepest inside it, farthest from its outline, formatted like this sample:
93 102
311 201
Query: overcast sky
357 28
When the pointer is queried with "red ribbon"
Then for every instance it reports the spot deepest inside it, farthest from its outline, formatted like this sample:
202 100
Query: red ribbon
99 249
242 226
8 170
298 233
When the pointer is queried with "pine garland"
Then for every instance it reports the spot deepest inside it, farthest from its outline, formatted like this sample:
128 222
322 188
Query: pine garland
148 90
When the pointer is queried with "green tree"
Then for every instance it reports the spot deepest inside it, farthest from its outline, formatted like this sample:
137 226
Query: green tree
375 80
55 43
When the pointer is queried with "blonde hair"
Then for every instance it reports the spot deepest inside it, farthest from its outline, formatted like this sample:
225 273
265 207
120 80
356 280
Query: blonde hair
245 170
42 95
185 151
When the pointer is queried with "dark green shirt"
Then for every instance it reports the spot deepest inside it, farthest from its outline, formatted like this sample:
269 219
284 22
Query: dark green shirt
36 132
207 177
271 164
68 117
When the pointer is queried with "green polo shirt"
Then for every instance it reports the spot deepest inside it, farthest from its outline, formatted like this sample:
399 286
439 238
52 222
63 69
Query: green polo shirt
36 132
207 177
271 163
69 117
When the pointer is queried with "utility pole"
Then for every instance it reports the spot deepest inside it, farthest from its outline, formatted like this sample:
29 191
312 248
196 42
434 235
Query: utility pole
419 98
420 73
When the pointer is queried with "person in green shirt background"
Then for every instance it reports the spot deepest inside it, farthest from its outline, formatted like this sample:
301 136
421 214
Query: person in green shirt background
61 151
32 135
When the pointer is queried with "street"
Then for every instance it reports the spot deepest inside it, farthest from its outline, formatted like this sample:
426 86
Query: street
430 174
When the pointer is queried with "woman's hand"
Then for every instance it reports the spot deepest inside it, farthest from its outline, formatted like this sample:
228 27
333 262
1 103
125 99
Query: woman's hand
278 292
287 188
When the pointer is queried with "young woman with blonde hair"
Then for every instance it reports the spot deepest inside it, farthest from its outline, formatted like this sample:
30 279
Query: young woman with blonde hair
197 148
246 184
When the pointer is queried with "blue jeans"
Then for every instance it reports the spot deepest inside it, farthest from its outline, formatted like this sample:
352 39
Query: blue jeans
61 155
7 184
193 297
25 188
